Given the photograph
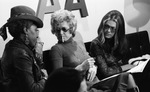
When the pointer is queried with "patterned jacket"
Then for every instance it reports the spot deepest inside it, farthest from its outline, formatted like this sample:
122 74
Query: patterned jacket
21 73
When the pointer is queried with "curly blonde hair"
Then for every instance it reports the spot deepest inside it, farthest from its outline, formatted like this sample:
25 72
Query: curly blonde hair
60 16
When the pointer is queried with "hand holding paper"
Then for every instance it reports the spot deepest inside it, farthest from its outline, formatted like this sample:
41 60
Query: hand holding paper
92 73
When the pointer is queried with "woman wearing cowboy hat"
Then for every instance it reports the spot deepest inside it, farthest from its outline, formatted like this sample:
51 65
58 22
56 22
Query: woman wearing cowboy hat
20 70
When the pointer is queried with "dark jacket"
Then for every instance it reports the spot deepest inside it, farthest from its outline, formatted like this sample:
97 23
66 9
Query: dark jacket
20 70
108 64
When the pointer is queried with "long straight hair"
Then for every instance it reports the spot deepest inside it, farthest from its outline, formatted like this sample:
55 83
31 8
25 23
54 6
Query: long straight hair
119 39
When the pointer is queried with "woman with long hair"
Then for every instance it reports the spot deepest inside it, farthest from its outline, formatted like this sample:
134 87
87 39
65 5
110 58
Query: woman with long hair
110 47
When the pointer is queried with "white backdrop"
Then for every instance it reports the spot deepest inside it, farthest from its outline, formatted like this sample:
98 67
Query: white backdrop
87 26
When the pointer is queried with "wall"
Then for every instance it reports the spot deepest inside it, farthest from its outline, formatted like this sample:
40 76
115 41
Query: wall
137 15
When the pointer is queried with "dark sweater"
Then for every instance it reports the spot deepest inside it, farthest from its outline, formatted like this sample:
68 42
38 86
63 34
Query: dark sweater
108 64
68 54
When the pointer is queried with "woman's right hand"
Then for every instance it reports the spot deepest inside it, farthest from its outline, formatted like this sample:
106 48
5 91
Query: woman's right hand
45 74
85 65
92 73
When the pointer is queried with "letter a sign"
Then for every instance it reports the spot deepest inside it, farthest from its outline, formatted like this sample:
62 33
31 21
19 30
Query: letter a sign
55 5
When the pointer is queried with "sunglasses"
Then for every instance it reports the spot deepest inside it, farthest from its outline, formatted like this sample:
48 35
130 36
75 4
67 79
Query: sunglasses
63 29
109 27
110 24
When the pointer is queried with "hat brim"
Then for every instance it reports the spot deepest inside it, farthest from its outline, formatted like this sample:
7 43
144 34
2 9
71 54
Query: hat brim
37 20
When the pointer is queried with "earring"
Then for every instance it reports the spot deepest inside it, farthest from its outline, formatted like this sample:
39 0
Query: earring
26 39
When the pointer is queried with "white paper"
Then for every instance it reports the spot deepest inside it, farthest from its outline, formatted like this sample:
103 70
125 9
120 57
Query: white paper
140 67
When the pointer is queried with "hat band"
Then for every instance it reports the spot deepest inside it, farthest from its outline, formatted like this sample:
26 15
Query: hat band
21 14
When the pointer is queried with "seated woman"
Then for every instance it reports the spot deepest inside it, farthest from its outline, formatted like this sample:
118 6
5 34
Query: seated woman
69 52
66 80
21 72
109 50
110 47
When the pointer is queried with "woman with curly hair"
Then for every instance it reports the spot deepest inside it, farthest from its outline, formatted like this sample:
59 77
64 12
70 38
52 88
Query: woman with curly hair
69 52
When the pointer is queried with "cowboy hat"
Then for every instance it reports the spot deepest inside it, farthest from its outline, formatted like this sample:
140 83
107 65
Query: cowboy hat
24 12
21 13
